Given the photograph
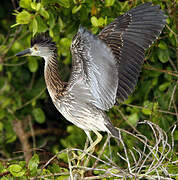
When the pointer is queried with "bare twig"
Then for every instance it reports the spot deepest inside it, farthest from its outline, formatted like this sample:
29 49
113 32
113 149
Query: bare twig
159 110
37 132
21 134
32 132
172 73
172 96
34 98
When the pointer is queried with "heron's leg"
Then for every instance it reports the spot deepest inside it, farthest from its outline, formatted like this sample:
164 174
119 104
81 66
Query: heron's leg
92 145
88 139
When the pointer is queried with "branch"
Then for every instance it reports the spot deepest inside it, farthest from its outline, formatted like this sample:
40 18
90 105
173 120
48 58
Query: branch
172 73
21 134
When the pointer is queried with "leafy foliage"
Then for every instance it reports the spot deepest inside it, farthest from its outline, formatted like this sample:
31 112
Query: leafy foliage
28 119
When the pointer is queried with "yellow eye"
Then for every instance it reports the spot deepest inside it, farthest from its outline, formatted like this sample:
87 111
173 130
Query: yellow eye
35 48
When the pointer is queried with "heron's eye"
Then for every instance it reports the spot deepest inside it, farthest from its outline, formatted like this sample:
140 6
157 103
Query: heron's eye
35 48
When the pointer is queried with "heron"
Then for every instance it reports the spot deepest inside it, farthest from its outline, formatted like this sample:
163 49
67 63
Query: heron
105 68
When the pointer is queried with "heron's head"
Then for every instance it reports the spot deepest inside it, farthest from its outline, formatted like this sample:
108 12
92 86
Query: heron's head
42 46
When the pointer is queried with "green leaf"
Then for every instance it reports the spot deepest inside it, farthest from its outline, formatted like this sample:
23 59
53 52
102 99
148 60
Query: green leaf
65 42
148 108
4 178
5 101
109 2
33 163
101 21
51 20
94 21
164 86
44 13
39 115
33 5
14 25
16 170
64 3
23 17
163 55
35 26
55 168
162 45
146 111
1 126
1 67
133 119
51 33
36 6
42 26
2 113
76 9
32 64
25 4
1 167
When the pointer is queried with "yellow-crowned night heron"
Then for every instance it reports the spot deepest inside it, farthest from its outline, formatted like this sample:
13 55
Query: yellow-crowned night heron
105 68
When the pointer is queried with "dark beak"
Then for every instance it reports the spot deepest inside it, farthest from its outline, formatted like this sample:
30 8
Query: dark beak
25 52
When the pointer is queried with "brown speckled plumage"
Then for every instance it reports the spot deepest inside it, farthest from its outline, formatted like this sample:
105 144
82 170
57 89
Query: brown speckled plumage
104 67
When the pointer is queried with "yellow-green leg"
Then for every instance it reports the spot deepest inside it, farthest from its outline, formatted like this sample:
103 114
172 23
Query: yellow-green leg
92 145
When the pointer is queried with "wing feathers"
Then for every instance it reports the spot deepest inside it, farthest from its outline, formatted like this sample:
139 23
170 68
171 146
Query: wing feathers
99 68
109 65
128 36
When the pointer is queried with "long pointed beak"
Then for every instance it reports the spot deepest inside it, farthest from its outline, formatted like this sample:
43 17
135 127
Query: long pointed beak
25 52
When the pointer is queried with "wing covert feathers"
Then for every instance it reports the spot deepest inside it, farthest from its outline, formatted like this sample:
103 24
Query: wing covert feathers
99 67
128 36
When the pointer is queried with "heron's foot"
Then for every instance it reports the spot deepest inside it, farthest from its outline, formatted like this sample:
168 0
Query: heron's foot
74 157
81 159
88 151
85 153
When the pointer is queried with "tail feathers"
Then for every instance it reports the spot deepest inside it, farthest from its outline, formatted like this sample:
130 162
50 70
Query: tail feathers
112 130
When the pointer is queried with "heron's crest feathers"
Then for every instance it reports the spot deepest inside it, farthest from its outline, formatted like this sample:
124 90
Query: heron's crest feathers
44 40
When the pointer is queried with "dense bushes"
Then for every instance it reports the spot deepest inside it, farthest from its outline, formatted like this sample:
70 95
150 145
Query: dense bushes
29 121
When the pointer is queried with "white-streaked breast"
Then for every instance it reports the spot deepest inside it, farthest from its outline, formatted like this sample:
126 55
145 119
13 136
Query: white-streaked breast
76 106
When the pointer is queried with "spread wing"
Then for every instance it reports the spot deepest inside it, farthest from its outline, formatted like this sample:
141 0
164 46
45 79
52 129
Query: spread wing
94 68
128 36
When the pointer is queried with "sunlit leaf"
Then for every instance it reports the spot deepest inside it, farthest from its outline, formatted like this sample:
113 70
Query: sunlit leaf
44 13
133 119
76 9
23 17
101 21
25 4
164 86
146 111
35 26
109 2
16 170
33 163
94 21
33 5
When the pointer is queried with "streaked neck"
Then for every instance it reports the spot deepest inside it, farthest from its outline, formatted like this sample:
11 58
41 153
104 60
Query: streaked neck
54 83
